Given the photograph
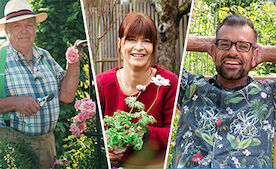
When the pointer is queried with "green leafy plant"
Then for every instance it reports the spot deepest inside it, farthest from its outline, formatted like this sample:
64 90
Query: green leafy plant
125 129
17 154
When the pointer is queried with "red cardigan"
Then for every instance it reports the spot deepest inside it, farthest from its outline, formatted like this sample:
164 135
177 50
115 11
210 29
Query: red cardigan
112 99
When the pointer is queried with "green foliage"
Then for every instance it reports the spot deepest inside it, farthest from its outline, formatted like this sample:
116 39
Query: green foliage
121 131
17 154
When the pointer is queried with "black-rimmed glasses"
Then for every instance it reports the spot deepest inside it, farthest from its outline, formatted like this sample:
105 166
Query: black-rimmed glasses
241 46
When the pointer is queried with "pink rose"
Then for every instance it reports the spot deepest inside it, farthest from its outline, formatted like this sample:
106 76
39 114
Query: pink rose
72 55
77 104
82 127
75 130
88 106
85 99
89 115
141 88
81 117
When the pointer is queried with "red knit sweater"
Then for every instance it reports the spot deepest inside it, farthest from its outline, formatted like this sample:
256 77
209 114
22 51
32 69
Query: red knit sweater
112 99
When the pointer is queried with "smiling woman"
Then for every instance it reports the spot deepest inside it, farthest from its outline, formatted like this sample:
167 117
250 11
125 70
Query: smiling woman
137 44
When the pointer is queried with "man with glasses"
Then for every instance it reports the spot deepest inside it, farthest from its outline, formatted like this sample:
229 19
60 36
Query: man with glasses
228 120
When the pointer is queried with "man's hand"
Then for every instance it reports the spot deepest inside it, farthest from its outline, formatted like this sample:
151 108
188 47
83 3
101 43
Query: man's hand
79 44
26 105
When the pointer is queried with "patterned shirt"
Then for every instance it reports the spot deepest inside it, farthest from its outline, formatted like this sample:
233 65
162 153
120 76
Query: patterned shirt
20 80
224 129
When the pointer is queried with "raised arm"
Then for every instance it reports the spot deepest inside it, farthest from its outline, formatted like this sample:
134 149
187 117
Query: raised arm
70 82
200 43
266 53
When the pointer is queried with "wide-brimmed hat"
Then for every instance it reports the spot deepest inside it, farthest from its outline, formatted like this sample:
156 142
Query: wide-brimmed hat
16 10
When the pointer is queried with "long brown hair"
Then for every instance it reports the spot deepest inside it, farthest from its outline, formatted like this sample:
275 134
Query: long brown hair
136 23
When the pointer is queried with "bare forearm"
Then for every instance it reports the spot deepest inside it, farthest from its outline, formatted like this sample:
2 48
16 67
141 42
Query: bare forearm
200 43
70 83
7 104
267 53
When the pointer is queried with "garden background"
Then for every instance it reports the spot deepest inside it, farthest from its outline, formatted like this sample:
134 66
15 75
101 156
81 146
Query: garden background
207 14
61 29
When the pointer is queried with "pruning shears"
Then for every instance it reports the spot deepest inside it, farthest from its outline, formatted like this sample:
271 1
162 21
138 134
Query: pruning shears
42 100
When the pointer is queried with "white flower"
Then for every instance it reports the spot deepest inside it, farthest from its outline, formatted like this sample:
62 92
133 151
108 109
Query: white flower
187 134
266 122
267 127
194 97
185 108
264 95
229 110
246 152
218 136
236 162
208 121
244 125
141 88
160 81
220 146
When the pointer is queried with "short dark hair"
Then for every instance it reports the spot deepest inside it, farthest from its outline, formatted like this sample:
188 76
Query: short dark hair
237 20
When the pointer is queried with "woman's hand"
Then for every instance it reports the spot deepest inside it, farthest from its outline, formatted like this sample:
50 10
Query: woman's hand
114 159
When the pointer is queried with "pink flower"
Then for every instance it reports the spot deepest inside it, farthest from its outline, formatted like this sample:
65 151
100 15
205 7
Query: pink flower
160 81
82 127
141 88
55 163
72 55
85 99
66 162
89 115
75 130
263 81
219 121
87 106
264 95
197 157
77 104
79 118
107 136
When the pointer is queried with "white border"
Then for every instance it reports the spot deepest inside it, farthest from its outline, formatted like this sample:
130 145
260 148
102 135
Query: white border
96 87
178 87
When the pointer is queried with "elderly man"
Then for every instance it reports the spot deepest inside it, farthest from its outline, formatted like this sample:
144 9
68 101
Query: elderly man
33 83
228 120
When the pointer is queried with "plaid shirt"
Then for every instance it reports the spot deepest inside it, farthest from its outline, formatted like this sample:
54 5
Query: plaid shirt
22 81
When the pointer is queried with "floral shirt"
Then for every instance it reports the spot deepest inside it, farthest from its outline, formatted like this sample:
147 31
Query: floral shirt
224 129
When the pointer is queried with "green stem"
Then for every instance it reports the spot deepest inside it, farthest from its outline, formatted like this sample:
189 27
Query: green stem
134 102
154 99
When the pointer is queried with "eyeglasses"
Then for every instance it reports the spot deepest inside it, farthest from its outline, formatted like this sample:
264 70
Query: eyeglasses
241 46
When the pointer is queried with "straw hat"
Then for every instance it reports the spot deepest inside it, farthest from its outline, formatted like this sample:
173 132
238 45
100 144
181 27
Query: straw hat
16 10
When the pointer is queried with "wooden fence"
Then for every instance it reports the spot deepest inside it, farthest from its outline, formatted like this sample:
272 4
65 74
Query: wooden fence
103 25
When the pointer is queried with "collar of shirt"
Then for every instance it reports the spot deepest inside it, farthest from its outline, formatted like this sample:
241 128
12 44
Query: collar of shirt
37 55
213 81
